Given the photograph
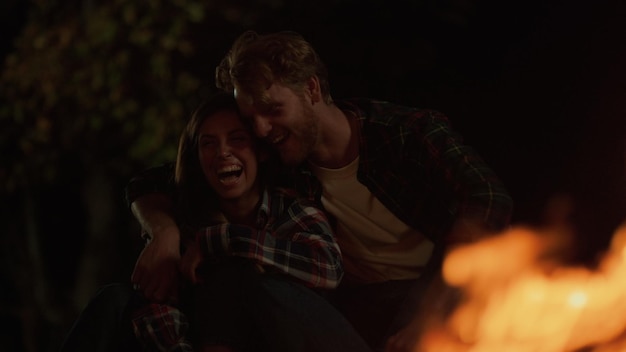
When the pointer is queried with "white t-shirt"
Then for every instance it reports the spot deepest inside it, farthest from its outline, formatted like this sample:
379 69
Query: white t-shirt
375 244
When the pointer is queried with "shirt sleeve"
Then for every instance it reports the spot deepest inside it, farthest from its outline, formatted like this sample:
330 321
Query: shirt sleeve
478 194
299 243
160 327
156 179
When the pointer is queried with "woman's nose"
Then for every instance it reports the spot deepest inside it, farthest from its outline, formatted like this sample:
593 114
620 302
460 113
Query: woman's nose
224 151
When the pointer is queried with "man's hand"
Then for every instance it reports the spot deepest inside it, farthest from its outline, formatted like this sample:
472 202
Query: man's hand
156 272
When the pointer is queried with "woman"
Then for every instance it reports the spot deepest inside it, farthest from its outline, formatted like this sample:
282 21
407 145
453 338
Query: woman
238 232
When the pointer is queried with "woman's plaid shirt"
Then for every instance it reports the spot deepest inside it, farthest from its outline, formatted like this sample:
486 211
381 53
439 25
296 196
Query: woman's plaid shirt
291 237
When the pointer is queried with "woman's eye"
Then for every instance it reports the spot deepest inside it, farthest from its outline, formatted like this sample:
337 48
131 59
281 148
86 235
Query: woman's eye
207 143
239 138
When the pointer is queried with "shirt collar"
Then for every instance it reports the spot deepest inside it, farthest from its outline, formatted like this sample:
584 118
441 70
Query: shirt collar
263 214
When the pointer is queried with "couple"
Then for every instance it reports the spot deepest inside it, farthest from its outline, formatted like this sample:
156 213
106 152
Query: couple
241 237
398 185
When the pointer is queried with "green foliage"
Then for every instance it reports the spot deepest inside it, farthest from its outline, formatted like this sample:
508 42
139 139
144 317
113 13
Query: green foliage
105 85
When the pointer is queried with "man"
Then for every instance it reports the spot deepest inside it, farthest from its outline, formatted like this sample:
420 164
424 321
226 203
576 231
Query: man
398 182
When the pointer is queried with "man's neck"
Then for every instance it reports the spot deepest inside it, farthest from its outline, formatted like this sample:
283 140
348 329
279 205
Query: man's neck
339 143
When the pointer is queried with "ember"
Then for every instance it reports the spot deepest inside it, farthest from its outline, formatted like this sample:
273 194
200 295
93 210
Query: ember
516 298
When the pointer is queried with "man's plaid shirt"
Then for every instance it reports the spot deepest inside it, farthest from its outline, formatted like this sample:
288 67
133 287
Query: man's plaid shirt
419 168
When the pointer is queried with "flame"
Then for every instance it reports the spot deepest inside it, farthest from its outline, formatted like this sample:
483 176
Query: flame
515 298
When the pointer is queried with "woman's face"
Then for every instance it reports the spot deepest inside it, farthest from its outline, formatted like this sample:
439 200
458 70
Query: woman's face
228 156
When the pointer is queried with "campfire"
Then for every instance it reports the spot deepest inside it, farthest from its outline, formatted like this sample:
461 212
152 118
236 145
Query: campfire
516 296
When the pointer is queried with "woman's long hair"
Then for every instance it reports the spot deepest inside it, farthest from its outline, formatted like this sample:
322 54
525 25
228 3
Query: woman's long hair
197 202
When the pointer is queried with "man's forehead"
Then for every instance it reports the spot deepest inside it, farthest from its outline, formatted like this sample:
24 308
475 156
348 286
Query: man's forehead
242 97
248 102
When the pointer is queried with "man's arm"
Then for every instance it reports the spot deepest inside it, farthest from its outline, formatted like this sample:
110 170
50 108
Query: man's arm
155 214
154 180
481 203
479 200
150 198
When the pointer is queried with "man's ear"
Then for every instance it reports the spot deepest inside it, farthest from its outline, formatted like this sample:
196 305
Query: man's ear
313 90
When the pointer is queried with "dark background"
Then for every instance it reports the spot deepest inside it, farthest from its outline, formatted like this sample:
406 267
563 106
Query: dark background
537 87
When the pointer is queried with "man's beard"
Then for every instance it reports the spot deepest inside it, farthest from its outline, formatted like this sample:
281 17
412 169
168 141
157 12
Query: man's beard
306 134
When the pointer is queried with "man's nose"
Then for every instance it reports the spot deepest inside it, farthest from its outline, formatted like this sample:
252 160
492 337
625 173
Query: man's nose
262 127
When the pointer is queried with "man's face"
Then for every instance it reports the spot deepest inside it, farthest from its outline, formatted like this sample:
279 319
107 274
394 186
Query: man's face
286 121
227 156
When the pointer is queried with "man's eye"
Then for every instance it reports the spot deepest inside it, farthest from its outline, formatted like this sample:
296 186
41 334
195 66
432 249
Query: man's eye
274 110
271 110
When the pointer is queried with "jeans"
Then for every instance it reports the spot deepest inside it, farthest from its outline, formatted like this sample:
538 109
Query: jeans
104 324
286 317
292 318
379 310
270 313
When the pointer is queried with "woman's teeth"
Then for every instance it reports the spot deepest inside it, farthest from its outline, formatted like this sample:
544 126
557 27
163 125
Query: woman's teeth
229 174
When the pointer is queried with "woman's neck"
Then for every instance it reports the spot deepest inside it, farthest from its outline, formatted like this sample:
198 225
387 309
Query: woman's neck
241 210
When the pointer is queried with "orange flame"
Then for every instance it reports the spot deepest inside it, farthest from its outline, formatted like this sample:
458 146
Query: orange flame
516 300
